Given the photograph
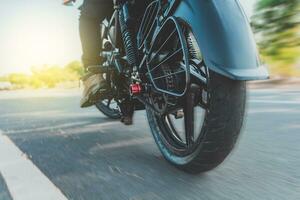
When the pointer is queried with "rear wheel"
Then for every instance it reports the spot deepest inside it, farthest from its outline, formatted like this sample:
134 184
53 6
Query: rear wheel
216 128
197 135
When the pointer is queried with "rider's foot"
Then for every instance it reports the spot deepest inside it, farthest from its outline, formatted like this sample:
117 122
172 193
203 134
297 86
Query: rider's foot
94 86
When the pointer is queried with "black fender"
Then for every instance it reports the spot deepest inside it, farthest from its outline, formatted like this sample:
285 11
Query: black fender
224 35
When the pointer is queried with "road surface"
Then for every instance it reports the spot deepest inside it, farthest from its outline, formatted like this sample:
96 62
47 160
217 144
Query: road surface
80 154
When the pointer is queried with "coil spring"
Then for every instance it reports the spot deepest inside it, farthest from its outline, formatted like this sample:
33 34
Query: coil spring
193 47
129 42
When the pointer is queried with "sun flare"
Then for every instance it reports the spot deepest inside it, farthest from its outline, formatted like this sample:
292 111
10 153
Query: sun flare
38 42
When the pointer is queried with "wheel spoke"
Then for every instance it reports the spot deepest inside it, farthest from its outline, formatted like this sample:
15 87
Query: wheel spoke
162 46
204 99
189 126
173 129
171 74
191 99
189 119
166 58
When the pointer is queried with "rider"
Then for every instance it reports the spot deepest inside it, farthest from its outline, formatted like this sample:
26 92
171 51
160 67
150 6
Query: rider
93 12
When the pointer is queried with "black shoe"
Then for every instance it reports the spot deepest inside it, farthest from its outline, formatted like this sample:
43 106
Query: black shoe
94 87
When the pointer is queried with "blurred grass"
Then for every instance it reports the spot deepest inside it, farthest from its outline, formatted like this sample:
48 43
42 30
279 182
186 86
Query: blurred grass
45 76
276 24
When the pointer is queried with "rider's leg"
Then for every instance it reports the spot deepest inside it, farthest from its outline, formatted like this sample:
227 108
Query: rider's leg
92 13
89 30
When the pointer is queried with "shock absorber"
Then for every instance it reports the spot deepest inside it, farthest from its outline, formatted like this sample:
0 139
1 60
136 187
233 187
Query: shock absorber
127 24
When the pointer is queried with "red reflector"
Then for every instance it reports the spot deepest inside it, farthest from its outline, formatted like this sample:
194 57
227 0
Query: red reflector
135 89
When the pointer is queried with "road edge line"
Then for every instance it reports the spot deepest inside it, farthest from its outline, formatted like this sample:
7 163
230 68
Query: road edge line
24 180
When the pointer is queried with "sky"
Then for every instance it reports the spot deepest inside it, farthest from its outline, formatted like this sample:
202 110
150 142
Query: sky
43 32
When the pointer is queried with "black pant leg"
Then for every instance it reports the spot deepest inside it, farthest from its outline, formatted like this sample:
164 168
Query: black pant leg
92 14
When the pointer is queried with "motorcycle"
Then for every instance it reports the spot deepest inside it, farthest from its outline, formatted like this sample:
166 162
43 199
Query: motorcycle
185 62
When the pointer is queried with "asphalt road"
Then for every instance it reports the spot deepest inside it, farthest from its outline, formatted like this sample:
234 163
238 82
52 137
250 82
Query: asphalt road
4 192
87 156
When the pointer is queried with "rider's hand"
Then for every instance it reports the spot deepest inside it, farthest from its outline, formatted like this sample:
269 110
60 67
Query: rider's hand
66 2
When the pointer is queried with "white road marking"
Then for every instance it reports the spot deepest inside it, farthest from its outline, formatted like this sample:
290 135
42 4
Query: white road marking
121 144
275 102
47 128
88 128
24 180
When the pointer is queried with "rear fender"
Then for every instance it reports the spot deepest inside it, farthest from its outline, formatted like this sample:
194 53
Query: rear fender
224 35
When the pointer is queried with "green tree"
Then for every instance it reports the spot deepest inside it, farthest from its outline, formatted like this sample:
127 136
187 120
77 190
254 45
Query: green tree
75 67
47 76
277 26
18 79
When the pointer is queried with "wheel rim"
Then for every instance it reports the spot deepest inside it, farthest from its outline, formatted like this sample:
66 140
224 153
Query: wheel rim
181 129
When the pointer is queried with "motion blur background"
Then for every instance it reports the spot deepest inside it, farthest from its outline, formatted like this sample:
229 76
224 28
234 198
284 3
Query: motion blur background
40 46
